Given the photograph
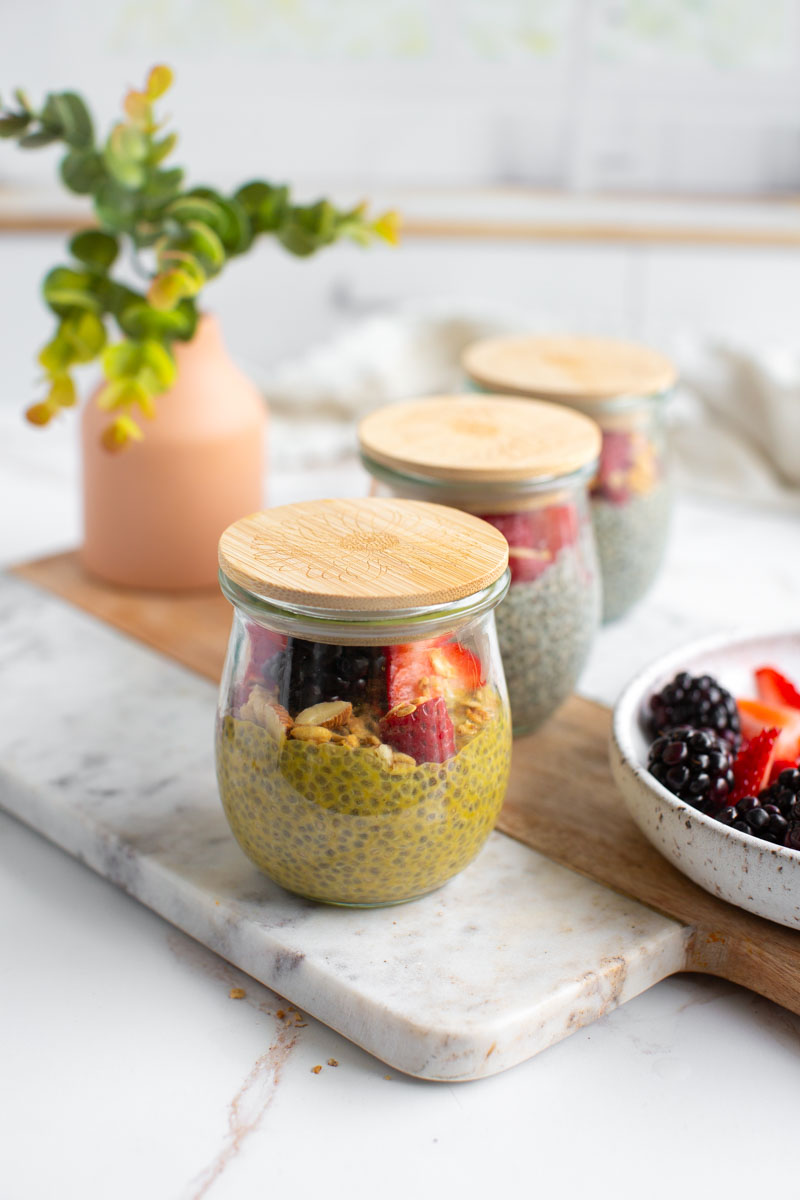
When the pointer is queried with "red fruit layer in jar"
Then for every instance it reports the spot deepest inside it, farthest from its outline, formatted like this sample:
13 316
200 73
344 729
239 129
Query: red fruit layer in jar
535 537
423 731
628 466
431 668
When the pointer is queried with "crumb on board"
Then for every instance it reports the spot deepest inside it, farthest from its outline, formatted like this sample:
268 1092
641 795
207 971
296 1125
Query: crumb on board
237 993
332 1062
387 1077
280 1014
316 1070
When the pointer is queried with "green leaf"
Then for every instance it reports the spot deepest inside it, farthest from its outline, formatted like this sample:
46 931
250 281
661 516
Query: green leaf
122 430
130 174
123 360
163 185
42 137
129 143
265 205
197 208
13 124
123 393
22 100
95 248
85 334
140 320
157 359
62 391
116 207
82 171
147 361
74 119
205 243
115 297
65 289
159 81
230 221
163 149
56 355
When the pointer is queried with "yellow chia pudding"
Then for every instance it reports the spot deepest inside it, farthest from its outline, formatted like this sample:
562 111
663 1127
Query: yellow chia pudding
327 805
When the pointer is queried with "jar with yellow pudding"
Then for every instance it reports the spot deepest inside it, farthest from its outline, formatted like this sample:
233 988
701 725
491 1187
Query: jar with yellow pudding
623 386
524 466
363 735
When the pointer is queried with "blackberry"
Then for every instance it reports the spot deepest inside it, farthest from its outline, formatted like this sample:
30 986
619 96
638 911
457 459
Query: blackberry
694 764
698 701
307 673
759 817
783 797
785 793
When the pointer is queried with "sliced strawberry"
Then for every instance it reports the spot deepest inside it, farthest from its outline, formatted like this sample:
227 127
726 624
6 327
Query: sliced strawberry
535 537
754 716
527 564
426 732
616 460
431 668
774 688
753 765
781 764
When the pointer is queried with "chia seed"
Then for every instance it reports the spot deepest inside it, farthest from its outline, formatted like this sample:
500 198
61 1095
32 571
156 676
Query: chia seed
631 539
545 628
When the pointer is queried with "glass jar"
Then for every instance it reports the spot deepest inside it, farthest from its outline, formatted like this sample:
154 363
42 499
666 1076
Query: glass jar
363 736
525 467
623 387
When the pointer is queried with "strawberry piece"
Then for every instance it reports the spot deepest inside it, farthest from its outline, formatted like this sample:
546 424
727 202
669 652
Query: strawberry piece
426 733
430 668
754 716
774 688
617 457
753 765
535 537
781 764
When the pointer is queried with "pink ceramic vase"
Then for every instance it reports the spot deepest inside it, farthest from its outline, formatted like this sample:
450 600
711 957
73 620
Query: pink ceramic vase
153 513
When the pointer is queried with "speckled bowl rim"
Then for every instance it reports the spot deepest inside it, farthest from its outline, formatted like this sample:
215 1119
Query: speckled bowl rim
626 720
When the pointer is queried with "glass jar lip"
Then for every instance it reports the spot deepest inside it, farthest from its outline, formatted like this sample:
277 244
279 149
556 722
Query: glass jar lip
621 403
488 489
408 624
590 406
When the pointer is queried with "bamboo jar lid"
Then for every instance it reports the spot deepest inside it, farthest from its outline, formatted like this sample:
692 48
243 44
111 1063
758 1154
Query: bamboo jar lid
568 368
480 439
362 555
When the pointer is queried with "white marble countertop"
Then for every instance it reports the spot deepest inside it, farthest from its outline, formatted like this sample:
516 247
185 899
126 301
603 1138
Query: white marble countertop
128 1071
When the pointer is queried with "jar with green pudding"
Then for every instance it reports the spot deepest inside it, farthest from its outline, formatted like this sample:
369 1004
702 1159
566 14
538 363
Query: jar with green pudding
363 737
525 467
623 386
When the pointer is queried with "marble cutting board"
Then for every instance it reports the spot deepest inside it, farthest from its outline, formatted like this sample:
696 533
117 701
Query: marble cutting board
106 749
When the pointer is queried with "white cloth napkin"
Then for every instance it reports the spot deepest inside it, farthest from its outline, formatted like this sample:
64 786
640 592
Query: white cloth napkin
734 422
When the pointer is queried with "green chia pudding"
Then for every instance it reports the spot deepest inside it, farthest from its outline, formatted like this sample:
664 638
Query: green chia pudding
545 628
360 825
631 538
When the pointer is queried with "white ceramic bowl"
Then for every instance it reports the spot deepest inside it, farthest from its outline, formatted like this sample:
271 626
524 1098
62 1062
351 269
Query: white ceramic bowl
755 875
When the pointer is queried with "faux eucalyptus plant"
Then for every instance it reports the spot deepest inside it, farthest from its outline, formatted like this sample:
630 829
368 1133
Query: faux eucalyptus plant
180 238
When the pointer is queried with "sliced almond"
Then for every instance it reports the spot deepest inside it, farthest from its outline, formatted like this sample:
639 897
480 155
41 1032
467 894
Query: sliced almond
330 714
384 753
311 733
262 710
403 762
404 709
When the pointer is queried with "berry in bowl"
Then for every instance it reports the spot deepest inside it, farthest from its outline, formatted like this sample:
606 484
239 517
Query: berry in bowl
705 748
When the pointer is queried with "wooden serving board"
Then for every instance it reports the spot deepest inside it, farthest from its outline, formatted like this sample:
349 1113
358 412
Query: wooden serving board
562 801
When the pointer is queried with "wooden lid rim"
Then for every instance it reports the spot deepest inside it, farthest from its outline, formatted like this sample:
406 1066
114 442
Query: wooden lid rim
366 555
479 439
